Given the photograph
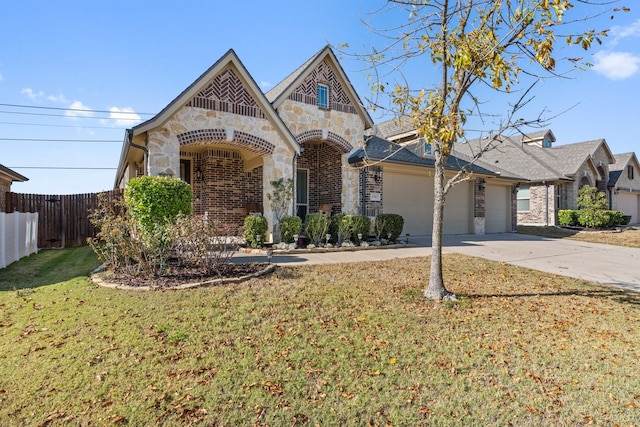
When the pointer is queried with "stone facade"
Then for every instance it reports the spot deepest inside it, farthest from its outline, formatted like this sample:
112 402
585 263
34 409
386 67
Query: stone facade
5 187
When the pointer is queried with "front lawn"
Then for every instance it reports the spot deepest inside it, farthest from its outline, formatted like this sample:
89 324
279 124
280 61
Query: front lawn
629 236
351 344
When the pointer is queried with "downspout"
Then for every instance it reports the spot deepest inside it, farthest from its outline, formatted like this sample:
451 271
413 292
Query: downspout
145 150
295 182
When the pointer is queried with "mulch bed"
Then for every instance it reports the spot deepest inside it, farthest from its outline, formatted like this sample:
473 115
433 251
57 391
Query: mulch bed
180 276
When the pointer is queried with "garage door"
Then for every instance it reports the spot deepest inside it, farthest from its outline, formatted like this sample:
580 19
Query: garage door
412 197
458 210
497 204
628 204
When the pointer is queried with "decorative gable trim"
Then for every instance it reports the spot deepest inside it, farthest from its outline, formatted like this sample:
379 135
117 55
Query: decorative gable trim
226 93
242 139
323 73
319 135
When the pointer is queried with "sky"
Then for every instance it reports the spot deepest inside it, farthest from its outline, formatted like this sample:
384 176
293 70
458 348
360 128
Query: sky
75 74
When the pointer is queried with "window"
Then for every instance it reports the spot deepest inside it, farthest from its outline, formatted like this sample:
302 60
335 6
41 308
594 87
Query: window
523 198
185 170
630 171
323 96
427 149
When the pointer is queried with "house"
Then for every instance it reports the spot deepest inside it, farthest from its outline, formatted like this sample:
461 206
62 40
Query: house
624 185
7 177
551 176
229 141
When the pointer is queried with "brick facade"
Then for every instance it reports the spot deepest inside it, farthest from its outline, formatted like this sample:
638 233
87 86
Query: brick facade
542 203
325 179
5 187
371 185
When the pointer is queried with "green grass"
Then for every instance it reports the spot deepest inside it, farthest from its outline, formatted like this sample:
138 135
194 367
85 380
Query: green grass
351 344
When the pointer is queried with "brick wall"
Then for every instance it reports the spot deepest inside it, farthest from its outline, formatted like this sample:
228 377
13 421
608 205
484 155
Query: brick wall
537 213
324 162
226 188
5 186
370 185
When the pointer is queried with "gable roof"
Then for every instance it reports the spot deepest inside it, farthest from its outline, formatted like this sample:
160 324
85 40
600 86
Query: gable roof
11 175
380 150
228 59
616 169
533 162
282 90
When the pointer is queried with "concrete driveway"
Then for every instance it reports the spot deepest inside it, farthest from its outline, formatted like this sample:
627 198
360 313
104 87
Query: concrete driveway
610 265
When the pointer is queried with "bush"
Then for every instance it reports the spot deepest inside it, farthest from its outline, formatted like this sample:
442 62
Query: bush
568 218
156 201
341 227
203 242
388 226
316 227
626 219
361 225
613 218
289 227
255 225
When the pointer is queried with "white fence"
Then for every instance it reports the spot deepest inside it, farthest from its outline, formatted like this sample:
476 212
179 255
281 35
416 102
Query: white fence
18 236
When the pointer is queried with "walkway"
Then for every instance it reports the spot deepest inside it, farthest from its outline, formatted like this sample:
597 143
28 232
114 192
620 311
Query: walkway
606 264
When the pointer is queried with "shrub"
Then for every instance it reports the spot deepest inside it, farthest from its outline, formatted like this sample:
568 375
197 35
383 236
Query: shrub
316 227
388 226
341 227
155 201
203 242
255 225
568 218
289 227
626 219
361 225
613 218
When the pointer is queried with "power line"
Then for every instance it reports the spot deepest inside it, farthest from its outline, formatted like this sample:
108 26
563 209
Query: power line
84 141
24 113
84 110
60 167
60 126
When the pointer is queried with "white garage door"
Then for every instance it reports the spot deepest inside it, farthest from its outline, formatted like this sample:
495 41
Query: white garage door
458 210
412 197
628 204
497 214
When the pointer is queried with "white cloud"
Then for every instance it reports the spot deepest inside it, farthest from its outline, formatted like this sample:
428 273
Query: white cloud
616 65
617 32
34 96
265 85
74 110
124 117
58 98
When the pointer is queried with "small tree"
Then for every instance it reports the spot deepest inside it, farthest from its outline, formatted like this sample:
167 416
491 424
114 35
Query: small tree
280 201
501 45
593 206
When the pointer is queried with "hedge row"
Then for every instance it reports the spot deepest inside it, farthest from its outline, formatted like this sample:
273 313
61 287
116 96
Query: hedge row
592 218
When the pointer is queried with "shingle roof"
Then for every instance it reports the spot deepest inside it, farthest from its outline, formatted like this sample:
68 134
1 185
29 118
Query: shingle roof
378 149
396 126
616 169
278 89
531 161
12 175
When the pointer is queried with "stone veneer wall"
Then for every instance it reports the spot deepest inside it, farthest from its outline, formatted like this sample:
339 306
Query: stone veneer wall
479 210
302 118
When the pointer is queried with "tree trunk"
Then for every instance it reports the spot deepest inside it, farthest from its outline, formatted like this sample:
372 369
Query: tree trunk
436 289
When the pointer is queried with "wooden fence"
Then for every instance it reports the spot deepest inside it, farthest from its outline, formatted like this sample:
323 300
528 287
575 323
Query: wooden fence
63 221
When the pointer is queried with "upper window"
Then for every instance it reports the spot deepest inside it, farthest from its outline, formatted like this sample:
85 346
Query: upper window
427 149
523 198
323 96
630 171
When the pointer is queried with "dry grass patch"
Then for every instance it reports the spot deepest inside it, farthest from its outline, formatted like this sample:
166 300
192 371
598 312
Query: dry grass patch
352 344
629 236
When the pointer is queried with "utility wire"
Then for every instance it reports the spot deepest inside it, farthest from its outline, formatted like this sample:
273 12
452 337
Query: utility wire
85 141
60 167
24 113
84 110
60 126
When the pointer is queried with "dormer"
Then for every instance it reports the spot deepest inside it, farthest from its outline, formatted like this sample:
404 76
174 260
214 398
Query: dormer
544 138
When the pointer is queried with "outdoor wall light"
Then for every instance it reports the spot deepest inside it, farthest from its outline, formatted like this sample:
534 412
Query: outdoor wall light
198 174
481 184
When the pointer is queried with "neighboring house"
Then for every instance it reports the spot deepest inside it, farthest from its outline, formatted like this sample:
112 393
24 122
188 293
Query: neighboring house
229 140
551 176
7 177
624 185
